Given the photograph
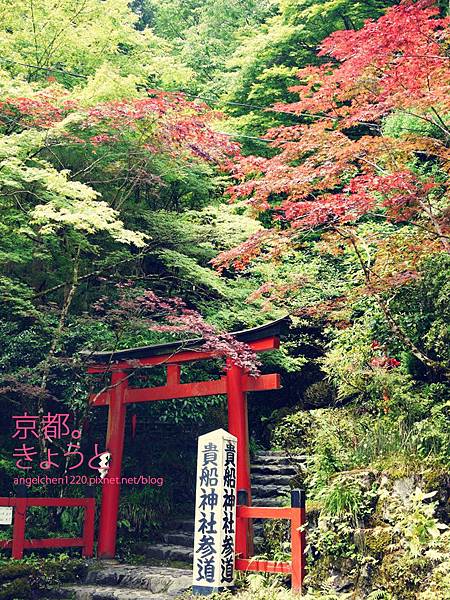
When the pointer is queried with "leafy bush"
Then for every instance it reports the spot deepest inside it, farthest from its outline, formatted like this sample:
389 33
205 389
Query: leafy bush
292 433
259 587
433 433
319 394
143 510
414 522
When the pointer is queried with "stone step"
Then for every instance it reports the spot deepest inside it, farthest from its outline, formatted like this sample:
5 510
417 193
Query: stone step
258 541
168 552
179 538
277 501
264 479
92 592
268 491
156 580
278 460
258 526
182 524
277 454
115 581
262 469
271 460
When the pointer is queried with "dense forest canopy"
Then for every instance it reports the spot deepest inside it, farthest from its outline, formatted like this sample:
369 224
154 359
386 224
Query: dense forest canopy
180 167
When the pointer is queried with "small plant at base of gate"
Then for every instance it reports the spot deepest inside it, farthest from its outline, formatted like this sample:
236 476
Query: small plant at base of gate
144 510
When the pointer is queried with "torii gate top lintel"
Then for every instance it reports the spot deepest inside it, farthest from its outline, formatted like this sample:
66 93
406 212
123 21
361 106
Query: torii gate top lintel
264 337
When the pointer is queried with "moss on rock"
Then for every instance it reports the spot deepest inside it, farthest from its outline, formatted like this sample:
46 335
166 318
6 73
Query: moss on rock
19 588
14 570
21 580
375 541
402 575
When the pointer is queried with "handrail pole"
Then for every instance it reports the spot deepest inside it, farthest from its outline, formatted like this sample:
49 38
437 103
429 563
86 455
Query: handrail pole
19 527
88 528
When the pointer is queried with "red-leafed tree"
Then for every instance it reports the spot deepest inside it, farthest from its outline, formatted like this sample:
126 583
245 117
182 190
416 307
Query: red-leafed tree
372 143
171 315
162 122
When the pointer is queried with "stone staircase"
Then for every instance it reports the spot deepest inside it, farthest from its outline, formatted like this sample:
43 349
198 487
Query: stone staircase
176 545
272 474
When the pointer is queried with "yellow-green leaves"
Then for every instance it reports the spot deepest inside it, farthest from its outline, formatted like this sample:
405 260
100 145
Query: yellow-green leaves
51 199
86 215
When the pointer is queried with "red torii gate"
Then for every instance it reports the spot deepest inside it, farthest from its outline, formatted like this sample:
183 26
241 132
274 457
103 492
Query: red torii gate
235 384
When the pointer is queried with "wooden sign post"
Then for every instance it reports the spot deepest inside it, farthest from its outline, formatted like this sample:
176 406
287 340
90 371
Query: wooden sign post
215 513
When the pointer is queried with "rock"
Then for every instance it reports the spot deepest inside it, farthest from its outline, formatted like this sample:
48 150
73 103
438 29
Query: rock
376 539
404 488
343 576
181 584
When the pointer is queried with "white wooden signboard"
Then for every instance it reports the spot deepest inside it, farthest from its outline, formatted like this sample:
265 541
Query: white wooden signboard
215 512
6 515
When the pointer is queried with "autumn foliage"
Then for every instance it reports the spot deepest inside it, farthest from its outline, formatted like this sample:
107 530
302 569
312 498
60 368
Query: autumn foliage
165 122
173 316
341 164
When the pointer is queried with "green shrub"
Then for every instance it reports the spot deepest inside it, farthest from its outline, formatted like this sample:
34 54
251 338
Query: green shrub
20 588
342 498
319 394
14 570
144 509
292 434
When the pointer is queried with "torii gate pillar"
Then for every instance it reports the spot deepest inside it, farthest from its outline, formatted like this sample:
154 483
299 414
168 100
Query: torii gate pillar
114 443
238 426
